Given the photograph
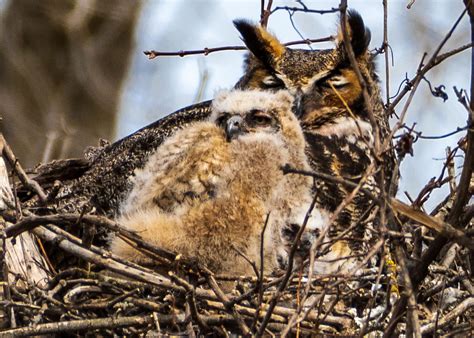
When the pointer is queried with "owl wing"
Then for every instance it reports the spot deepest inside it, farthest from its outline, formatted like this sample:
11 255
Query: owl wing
105 181
184 169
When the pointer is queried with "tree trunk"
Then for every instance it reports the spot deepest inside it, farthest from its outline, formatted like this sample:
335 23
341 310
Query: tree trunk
62 64
20 259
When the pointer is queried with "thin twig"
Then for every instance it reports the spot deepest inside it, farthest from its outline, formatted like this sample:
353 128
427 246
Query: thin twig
460 309
386 50
25 180
305 10
423 69
316 174
225 300
107 323
190 298
289 270
265 12
419 272
206 51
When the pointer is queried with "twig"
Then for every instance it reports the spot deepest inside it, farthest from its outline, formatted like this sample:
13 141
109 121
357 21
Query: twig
422 70
265 12
33 221
112 265
451 170
206 51
25 180
462 193
293 24
434 60
411 3
419 272
108 323
288 272
443 228
259 285
460 309
385 49
190 298
287 169
440 58
371 304
225 300
305 10
122 297
413 324
419 134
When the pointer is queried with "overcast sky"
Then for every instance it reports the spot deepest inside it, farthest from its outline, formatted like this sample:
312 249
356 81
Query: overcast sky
158 87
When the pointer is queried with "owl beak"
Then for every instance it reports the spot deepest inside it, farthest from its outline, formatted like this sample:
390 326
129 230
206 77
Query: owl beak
298 104
234 127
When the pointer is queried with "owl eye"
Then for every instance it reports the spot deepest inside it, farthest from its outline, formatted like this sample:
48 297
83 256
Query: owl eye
272 82
338 81
260 118
221 120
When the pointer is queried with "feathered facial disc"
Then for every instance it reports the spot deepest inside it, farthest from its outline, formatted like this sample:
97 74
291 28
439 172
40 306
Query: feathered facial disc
240 112
316 78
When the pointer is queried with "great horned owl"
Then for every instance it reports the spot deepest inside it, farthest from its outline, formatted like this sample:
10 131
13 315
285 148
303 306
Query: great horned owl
334 118
209 187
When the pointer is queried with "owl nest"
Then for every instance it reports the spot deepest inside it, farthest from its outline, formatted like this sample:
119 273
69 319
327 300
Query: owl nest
69 283
101 294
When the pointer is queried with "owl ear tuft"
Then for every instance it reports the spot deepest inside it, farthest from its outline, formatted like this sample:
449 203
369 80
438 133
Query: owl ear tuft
358 33
263 45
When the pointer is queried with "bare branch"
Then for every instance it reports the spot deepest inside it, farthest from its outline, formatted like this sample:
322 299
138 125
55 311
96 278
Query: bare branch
460 309
206 51
305 10
13 161
433 223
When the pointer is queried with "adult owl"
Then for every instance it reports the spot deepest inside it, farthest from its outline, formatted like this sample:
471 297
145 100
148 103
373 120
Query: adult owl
334 117
208 189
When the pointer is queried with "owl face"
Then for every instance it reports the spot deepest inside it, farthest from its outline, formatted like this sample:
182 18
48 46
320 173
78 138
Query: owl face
254 121
322 82
241 113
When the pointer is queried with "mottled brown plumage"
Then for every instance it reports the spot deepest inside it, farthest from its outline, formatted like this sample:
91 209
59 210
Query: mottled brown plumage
103 186
210 186
330 106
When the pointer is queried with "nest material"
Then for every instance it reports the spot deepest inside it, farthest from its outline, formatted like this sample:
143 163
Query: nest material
104 295
86 290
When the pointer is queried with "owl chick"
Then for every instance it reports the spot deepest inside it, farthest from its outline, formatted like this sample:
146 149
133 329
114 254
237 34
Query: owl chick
207 189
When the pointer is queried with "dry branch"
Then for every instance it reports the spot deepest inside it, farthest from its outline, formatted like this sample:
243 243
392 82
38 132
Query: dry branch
459 310
151 54
443 228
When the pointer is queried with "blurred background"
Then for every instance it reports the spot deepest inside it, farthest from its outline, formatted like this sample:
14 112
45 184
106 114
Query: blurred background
73 72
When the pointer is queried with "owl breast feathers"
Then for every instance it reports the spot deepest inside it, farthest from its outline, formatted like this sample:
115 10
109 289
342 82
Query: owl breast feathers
207 189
